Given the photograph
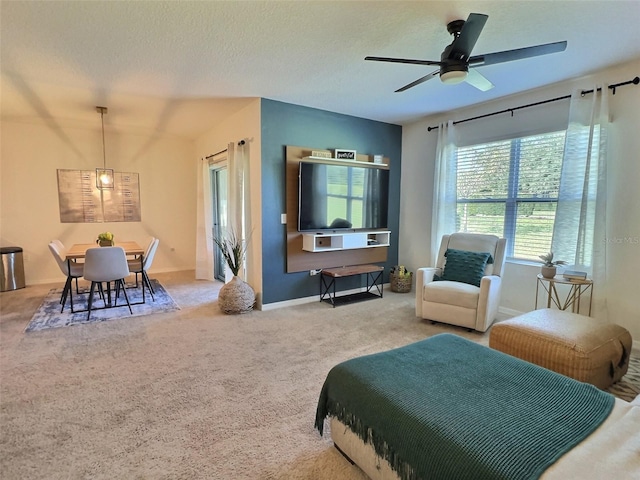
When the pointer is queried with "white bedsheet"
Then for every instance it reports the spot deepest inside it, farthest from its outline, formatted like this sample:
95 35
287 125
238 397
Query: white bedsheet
612 451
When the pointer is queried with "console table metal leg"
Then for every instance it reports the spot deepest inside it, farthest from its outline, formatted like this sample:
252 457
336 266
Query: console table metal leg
325 289
375 282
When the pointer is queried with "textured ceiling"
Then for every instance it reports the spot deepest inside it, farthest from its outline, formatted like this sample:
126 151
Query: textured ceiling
182 66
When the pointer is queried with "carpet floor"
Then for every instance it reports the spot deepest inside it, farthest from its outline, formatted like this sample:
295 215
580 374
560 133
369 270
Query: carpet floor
188 394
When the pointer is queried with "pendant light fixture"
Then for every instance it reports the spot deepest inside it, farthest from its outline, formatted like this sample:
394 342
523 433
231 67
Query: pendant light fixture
104 175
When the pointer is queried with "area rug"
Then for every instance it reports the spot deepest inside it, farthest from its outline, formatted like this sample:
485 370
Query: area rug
628 387
48 314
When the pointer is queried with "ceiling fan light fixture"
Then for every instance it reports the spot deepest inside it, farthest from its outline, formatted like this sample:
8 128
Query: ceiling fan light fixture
453 77
456 57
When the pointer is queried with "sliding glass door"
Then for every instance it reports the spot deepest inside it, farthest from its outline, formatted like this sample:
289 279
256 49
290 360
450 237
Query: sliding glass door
220 222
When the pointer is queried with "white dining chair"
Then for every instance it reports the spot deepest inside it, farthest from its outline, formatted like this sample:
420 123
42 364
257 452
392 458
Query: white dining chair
71 270
63 249
137 267
106 264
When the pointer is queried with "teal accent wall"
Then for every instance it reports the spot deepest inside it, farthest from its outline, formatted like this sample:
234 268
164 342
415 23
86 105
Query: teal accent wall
286 124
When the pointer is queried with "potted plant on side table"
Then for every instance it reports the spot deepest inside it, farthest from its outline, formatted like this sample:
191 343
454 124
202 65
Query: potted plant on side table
548 269
236 296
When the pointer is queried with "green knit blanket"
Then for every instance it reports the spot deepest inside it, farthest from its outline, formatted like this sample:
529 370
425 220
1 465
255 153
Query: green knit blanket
448 408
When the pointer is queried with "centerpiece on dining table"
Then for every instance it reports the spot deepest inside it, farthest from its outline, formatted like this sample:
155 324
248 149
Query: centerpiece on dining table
105 239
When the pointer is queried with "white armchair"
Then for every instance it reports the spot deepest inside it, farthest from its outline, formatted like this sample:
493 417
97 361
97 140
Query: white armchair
456 300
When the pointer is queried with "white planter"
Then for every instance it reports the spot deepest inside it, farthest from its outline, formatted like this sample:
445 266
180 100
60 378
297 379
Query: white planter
548 272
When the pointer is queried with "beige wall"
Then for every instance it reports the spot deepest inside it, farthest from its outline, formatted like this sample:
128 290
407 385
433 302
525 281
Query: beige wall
243 125
623 206
31 151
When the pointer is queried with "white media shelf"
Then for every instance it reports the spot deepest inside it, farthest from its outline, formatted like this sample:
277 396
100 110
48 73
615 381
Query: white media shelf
327 242
339 161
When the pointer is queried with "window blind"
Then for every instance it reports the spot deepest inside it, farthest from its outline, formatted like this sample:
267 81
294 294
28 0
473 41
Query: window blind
510 188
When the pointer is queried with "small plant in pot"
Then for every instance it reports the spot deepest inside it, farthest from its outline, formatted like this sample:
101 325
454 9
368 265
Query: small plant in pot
548 269
236 296
105 239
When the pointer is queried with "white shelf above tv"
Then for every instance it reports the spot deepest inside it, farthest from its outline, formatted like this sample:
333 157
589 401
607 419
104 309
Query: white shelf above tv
345 162
332 241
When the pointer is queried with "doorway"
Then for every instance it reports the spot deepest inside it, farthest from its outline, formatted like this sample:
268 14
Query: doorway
220 221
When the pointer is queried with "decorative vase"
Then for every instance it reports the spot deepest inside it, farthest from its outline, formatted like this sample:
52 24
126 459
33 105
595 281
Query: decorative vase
548 272
106 243
237 296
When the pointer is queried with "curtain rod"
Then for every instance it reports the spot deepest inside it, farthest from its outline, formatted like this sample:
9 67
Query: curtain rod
634 81
240 142
214 154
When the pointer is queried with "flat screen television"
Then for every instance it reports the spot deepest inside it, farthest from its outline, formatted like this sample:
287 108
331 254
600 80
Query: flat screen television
338 197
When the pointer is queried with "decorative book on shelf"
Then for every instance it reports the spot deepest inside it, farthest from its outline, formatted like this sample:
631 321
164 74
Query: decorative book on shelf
574 275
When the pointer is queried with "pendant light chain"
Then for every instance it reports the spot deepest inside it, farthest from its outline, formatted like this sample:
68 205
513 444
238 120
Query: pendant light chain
104 149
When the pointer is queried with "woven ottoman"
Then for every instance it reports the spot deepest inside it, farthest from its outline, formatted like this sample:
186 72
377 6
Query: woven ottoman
574 345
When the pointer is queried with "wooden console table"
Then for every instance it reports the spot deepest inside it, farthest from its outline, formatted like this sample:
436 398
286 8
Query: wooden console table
329 276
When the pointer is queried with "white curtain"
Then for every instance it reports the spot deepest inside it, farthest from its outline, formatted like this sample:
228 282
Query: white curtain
238 214
579 231
204 224
239 199
444 187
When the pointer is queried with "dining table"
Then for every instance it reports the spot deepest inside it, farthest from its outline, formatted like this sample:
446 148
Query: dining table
78 251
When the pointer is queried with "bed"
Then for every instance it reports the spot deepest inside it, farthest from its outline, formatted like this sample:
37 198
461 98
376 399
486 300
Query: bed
447 407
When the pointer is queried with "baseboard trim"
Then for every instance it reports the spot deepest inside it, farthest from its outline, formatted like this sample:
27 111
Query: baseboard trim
509 312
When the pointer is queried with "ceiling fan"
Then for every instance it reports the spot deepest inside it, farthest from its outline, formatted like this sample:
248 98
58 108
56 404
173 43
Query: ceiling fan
456 60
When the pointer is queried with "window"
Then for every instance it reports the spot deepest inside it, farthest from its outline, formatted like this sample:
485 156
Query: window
510 188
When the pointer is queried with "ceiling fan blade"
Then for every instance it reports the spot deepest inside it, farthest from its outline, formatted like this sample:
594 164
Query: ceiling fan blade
471 30
418 81
403 60
476 79
517 54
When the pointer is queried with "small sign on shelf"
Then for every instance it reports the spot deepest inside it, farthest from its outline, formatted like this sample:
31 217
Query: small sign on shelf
320 154
345 154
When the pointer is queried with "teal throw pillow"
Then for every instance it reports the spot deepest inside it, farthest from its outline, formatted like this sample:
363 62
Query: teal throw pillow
464 266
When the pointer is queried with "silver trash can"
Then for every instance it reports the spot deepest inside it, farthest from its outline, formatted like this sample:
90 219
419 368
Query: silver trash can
12 273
